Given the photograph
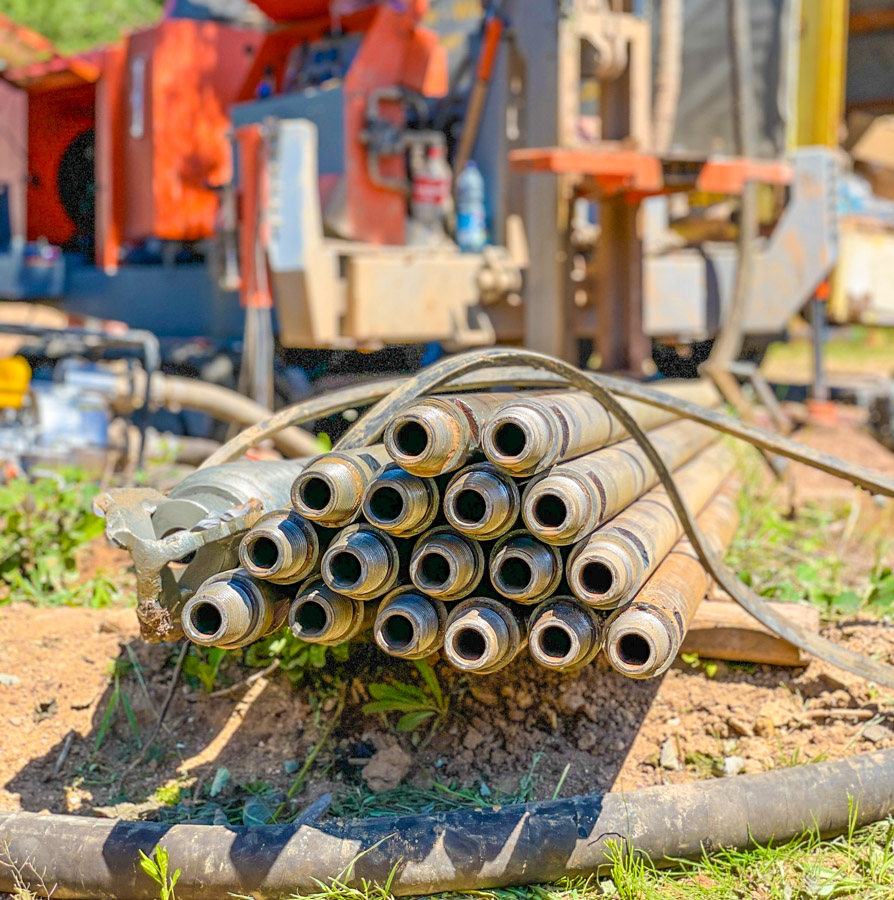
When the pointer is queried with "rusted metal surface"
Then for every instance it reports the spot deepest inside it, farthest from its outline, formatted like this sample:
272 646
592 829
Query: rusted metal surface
643 638
570 500
613 563
282 547
401 503
564 634
446 564
330 489
524 569
319 615
362 562
524 436
483 636
482 502
409 624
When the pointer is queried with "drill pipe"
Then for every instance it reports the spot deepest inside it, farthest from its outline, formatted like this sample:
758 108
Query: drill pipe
482 502
399 502
527 435
643 638
483 635
614 562
231 610
446 564
569 501
319 615
330 490
410 625
439 434
282 547
564 634
524 569
362 562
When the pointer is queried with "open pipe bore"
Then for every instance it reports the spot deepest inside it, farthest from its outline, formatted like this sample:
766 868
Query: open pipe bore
434 569
345 568
206 618
469 644
411 439
398 631
597 578
315 494
634 649
510 439
312 617
555 642
386 504
263 552
515 573
550 511
470 506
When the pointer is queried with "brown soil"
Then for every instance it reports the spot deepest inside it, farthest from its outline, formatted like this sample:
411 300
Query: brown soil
606 730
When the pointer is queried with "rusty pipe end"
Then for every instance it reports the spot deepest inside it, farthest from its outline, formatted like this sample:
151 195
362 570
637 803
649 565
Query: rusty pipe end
410 625
319 615
427 439
519 439
446 564
282 548
638 644
602 573
329 491
228 610
482 636
482 502
361 562
558 510
400 503
562 634
524 569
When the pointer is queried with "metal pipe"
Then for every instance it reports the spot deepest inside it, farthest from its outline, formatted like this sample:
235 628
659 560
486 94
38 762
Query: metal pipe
410 625
569 501
482 502
533 843
446 564
564 634
282 547
230 610
643 638
361 562
401 503
524 569
482 636
330 489
439 434
524 436
319 615
614 562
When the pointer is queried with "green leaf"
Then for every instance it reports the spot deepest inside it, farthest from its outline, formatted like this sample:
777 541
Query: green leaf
412 720
431 680
394 706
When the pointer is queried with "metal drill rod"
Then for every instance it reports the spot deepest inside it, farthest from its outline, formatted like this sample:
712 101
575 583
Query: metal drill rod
643 638
525 436
330 489
410 625
362 561
483 635
440 434
564 634
524 569
606 569
231 610
401 503
319 615
569 501
282 547
482 502
446 564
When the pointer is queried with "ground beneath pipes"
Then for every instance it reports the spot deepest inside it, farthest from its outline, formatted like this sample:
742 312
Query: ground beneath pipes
237 755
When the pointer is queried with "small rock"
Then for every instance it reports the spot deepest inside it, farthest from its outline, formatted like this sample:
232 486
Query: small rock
524 700
571 702
740 726
8 680
764 727
46 709
733 765
876 733
587 741
386 769
483 695
667 759
472 739
291 766
516 715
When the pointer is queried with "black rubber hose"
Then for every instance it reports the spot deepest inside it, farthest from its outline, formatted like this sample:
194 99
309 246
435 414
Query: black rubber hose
79 857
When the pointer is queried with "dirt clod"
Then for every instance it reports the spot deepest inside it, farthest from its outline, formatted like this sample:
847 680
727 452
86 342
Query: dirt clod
387 769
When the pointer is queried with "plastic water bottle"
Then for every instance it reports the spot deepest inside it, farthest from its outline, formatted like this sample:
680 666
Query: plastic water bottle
471 231
430 192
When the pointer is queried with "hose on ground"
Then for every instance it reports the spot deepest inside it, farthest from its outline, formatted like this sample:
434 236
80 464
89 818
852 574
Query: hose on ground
79 857
460 369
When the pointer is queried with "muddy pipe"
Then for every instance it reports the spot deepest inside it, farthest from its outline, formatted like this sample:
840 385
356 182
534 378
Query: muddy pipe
482 502
467 849
483 636
564 634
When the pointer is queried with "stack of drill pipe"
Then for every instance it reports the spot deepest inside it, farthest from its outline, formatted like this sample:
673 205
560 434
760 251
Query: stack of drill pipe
474 530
